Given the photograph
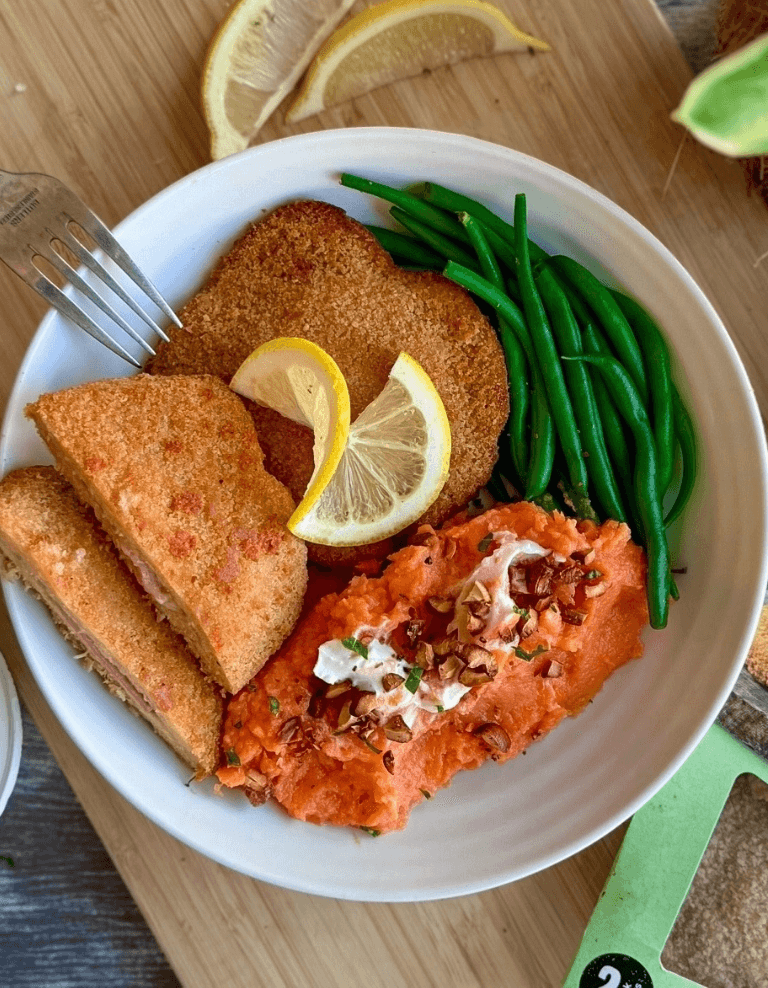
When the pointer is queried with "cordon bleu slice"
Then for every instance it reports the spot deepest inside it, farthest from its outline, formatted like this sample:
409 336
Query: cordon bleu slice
53 543
173 469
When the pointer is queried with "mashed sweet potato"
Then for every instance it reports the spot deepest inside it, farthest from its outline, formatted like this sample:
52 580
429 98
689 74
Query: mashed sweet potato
490 631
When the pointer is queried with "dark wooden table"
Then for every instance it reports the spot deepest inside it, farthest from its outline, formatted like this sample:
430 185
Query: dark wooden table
66 918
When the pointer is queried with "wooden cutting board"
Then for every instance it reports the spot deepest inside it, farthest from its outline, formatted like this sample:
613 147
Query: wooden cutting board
105 96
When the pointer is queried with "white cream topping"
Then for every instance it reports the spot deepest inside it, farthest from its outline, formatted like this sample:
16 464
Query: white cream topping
337 663
493 573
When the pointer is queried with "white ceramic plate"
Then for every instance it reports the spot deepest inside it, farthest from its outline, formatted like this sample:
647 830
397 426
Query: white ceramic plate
10 735
499 823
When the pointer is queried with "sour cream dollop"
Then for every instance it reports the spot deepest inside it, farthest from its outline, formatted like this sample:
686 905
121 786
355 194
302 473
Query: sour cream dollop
337 662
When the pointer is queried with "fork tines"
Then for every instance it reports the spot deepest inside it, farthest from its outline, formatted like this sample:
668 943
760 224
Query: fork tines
36 212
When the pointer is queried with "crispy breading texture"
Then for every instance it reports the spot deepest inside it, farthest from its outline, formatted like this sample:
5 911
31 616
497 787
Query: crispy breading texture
308 270
55 544
173 469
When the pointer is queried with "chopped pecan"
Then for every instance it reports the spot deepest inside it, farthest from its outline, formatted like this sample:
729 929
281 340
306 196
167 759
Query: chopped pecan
528 625
337 689
424 656
316 705
476 655
290 730
425 538
478 593
345 717
551 669
584 556
518 579
474 623
412 631
595 589
365 704
397 730
450 667
540 576
570 574
573 616
475 677
390 681
445 647
494 736
256 788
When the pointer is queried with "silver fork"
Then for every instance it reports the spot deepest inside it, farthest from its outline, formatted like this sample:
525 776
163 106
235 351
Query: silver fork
36 211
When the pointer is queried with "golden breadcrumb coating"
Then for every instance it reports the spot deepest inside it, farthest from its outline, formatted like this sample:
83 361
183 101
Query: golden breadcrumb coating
173 469
310 271
55 544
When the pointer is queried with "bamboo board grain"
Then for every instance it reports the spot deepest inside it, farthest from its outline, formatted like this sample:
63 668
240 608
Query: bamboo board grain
105 96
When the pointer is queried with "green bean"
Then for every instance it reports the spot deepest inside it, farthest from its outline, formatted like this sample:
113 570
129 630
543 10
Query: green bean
568 338
407 248
546 353
657 365
517 370
613 428
610 316
686 437
542 427
423 211
444 198
443 245
630 404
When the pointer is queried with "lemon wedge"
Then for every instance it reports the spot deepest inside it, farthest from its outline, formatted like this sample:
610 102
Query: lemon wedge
255 58
397 39
393 467
301 381
371 479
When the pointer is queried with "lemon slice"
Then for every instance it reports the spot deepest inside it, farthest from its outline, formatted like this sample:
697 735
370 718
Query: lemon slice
394 465
398 39
255 58
301 381
725 105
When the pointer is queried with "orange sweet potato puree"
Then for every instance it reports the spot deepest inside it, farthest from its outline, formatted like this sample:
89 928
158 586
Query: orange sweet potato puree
323 776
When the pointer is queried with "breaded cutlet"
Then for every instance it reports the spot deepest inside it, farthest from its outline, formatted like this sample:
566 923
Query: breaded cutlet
309 270
54 544
173 469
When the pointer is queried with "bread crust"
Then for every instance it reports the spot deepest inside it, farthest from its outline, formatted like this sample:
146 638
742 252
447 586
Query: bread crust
60 552
308 270
174 471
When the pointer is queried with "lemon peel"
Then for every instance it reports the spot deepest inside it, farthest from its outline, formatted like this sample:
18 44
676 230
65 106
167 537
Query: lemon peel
398 39
254 59
298 379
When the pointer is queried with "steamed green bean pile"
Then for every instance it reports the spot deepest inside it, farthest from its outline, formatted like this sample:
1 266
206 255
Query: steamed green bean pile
596 424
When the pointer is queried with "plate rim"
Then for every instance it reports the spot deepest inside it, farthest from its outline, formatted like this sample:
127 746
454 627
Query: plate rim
670 260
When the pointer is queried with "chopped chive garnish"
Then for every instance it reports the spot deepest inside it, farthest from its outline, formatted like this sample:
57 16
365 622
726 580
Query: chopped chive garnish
482 545
527 656
232 757
274 706
4 857
593 574
414 678
440 710
371 831
355 646
521 611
